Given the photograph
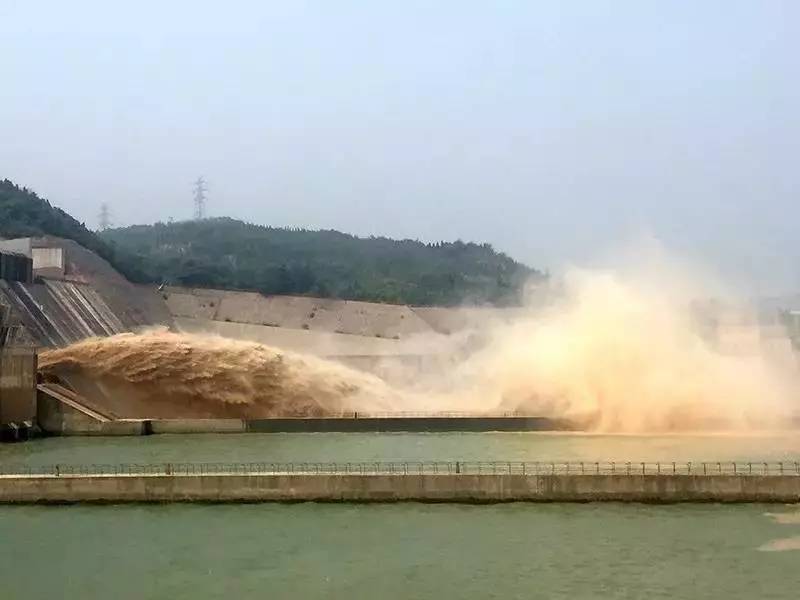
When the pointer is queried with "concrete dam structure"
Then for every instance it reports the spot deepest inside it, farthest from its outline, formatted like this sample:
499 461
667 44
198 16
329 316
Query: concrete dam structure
56 293
66 295
404 482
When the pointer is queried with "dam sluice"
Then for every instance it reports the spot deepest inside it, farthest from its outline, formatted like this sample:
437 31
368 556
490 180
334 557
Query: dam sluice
469 482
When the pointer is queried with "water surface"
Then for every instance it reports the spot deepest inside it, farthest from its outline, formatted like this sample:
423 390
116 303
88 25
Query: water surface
198 552
324 447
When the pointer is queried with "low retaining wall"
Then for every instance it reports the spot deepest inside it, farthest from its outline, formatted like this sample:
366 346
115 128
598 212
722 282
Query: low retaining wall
57 419
406 424
425 487
196 426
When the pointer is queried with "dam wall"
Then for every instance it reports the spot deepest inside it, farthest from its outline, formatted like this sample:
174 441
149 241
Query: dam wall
59 313
81 296
17 384
425 487
318 343
365 319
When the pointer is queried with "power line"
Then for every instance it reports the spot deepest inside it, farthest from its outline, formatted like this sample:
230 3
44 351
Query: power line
200 190
104 217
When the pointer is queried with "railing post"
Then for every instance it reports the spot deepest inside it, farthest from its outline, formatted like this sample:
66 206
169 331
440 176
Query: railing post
525 468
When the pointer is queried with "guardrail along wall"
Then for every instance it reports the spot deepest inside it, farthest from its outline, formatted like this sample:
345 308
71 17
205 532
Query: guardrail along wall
466 467
500 481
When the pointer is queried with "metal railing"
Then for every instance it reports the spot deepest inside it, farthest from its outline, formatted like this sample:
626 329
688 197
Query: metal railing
408 468
421 414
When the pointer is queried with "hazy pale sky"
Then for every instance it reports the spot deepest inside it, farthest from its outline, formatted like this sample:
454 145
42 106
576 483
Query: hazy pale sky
553 130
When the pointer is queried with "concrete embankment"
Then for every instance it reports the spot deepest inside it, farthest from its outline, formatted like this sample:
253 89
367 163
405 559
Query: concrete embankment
425 487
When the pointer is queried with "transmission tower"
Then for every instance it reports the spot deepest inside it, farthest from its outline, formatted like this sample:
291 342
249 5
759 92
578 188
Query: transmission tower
200 190
104 217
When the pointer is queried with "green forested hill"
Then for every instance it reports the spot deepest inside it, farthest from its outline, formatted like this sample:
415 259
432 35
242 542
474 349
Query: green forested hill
24 214
229 253
226 253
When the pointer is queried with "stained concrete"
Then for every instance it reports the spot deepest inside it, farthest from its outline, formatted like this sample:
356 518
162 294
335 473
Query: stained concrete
319 343
394 488
197 426
365 319
59 313
57 418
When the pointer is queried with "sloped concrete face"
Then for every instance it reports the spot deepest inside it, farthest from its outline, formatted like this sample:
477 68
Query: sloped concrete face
195 306
135 306
391 341
293 312
86 297
318 343
60 313
364 319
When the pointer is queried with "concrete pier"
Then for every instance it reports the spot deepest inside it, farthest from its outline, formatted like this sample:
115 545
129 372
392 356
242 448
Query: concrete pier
166 484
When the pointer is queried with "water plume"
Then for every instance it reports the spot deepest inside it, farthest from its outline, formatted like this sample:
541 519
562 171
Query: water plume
633 349
781 545
168 375
627 355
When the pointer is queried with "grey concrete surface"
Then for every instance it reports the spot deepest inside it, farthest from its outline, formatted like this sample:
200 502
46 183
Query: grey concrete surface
394 488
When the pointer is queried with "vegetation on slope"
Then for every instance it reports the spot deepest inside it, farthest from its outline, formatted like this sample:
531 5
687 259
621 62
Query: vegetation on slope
24 214
227 253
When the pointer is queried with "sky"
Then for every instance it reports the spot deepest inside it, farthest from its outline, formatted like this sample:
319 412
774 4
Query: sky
554 130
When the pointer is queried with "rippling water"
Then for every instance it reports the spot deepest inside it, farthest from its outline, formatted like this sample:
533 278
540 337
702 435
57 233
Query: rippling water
400 550
322 447
396 551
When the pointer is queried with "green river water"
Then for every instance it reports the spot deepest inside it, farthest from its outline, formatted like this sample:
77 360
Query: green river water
322 447
405 550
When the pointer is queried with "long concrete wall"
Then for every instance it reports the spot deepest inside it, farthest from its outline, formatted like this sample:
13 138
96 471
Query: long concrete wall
393 488
56 418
